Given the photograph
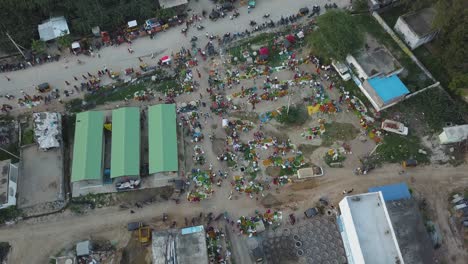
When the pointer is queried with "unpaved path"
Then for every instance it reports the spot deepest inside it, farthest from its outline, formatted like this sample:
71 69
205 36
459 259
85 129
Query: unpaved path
33 241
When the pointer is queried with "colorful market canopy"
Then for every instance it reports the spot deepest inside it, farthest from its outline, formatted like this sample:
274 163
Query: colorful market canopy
125 151
87 148
162 138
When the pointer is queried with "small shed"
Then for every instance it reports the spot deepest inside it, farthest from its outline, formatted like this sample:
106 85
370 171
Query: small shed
384 91
454 134
53 28
416 27
164 4
83 248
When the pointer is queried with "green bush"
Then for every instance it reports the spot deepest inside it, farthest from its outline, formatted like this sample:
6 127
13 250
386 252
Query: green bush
396 148
296 116
28 137
9 213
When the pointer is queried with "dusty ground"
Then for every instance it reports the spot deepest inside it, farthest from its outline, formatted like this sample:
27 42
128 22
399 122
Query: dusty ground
41 177
434 183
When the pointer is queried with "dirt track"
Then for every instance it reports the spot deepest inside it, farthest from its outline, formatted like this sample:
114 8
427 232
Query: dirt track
35 240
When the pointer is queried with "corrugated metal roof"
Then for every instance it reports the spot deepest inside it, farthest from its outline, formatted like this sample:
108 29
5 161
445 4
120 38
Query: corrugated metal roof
125 150
87 148
53 28
162 138
393 192
388 88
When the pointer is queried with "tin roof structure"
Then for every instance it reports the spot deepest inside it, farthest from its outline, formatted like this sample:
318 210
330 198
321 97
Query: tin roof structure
53 28
125 149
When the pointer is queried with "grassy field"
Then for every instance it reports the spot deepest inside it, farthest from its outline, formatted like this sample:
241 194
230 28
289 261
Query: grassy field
338 132
396 148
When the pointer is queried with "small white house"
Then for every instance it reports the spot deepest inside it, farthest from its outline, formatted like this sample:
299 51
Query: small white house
454 134
416 28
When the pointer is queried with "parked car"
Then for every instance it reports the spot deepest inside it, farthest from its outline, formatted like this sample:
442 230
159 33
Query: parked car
214 15
311 212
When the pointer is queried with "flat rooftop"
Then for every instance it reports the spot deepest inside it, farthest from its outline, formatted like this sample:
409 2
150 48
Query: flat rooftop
421 21
415 243
190 246
378 60
366 216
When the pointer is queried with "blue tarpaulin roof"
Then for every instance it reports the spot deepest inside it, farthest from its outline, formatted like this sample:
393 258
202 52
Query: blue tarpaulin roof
393 192
191 230
388 88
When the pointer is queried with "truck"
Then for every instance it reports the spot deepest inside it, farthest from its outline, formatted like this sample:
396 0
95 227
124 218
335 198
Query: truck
144 234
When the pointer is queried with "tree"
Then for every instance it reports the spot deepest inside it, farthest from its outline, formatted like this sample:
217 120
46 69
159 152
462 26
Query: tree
459 82
337 35
165 13
64 41
38 46
360 5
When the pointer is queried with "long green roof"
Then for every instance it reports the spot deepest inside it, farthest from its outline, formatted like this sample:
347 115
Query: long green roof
125 154
162 138
87 148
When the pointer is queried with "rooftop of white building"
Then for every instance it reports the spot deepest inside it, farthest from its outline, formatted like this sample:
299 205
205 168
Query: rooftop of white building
369 230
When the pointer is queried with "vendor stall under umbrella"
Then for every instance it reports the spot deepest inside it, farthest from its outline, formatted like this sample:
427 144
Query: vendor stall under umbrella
165 60
263 53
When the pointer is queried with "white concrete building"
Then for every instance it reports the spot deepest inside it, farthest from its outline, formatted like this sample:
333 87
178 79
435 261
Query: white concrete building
454 134
367 231
416 28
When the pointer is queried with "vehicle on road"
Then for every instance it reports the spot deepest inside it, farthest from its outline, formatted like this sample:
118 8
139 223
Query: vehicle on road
43 87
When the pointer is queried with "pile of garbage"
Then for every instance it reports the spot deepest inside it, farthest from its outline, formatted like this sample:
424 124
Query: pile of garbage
203 186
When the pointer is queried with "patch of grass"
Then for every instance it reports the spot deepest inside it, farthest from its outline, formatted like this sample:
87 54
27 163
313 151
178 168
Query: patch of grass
296 116
391 15
94 200
434 64
307 149
433 107
9 213
27 137
396 148
124 91
338 131
329 160
13 148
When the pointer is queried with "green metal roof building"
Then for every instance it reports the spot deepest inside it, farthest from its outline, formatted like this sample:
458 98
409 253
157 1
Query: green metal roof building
87 148
125 150
162 138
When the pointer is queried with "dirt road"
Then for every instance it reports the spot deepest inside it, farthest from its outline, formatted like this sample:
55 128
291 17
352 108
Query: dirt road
33 241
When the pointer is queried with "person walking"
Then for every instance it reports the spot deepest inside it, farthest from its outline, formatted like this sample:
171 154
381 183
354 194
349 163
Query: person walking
8 78
74 77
